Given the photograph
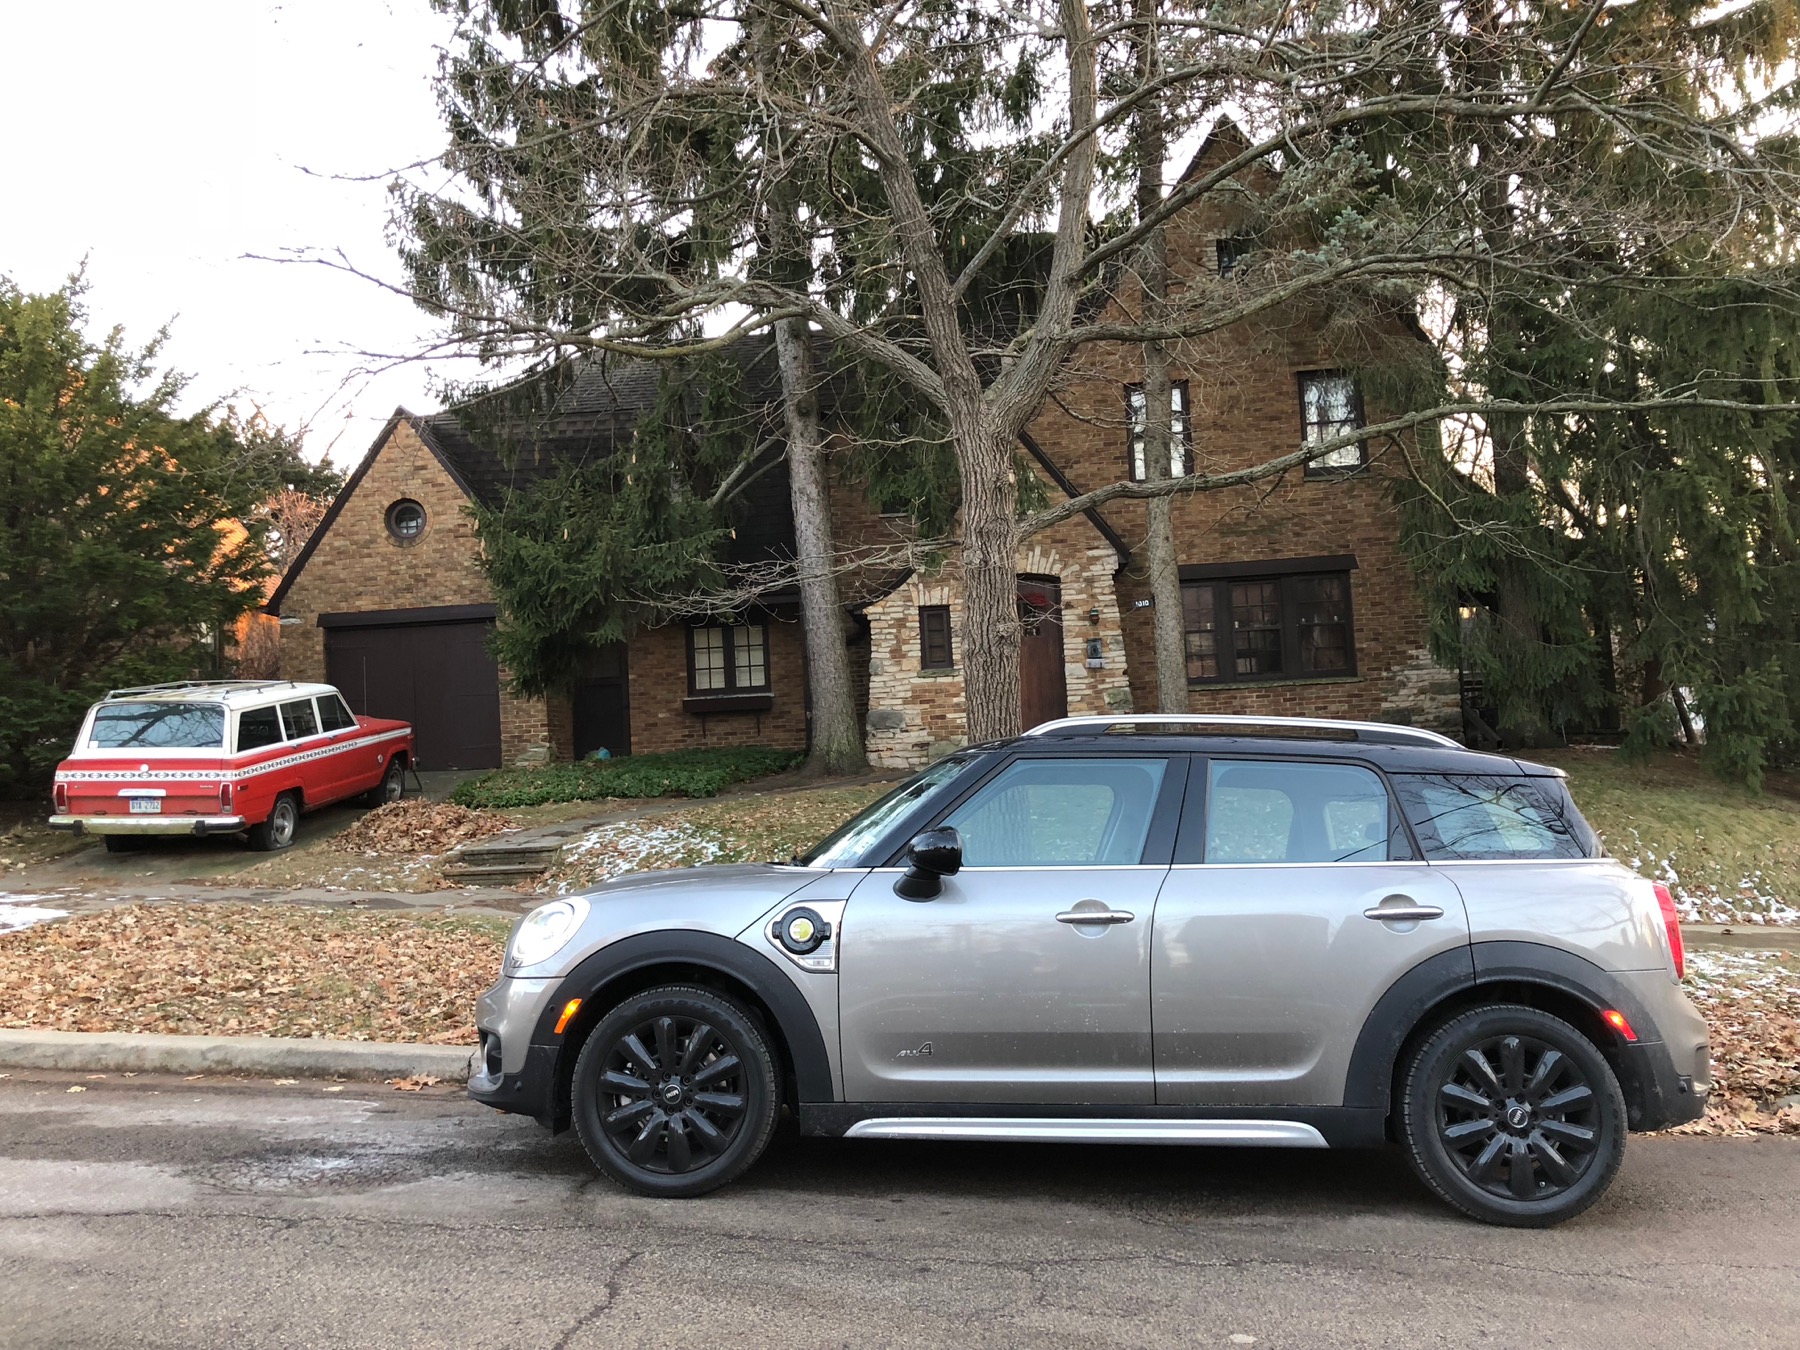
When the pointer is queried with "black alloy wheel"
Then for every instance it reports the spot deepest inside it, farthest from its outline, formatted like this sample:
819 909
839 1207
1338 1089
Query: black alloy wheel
675 1092
1514 1117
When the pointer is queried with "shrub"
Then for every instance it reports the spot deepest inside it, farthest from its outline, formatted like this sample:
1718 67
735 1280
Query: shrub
680 773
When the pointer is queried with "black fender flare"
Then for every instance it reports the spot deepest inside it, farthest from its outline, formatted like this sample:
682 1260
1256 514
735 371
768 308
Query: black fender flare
1410 999
794 1019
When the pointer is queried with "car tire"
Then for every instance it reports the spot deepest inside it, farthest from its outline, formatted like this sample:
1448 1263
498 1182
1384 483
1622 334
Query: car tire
392 787
277 830
675 1092
1512 1116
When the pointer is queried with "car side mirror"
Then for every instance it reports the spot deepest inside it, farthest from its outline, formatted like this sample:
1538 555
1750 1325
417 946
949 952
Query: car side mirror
932 856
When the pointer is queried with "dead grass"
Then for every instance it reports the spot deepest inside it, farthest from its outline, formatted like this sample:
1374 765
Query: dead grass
1730 855
771 828
1751 1002
259 970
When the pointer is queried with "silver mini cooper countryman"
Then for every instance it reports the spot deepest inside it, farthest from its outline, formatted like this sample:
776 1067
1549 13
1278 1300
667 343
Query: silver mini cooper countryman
1153 930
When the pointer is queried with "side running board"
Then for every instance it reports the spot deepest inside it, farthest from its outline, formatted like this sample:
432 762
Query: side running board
1049 1130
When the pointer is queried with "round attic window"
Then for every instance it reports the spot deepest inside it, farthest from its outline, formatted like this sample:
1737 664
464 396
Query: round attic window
406 520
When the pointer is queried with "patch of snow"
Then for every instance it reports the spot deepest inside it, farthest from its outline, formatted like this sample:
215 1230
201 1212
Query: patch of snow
609 851
14 917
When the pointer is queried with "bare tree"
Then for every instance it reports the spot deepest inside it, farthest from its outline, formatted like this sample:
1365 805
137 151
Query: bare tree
1454 159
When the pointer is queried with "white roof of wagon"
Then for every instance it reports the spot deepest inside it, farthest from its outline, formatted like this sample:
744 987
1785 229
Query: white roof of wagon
232 693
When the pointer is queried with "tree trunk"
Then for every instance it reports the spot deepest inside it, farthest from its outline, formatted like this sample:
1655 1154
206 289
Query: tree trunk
1153 279
837 743
990 632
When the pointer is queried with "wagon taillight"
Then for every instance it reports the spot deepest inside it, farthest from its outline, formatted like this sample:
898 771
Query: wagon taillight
224 799
61 797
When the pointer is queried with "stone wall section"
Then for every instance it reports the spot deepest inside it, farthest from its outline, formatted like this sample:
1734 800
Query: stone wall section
358 566
917 715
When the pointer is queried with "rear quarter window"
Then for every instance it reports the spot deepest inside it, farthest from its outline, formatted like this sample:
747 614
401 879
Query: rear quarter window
257 727
1487 817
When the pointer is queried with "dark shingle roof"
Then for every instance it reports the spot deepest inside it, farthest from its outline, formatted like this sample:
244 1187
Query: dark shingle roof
591 416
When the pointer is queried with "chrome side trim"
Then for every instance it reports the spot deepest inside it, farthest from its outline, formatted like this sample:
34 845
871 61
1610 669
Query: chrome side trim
1062 1130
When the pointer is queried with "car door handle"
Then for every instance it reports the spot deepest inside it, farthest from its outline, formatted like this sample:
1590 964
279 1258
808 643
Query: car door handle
1411 913
1095 916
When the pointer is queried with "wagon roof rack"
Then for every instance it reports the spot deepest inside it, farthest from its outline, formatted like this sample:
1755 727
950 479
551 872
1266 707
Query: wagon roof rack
1378 733
174 686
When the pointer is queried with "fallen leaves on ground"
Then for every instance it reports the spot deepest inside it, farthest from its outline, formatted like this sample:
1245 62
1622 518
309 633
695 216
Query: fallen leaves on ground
417 826
771 828
1751 1001
252 970
416 1083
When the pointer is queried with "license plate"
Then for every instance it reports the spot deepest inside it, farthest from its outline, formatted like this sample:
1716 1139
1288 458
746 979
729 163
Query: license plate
145 806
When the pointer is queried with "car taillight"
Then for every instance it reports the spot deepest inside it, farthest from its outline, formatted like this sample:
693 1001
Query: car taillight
224 799
1672 926
62 796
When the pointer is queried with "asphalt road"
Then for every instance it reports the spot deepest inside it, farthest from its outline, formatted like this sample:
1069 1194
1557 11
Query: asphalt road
158 1212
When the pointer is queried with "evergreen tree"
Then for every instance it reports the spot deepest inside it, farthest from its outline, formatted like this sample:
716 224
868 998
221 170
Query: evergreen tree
127 534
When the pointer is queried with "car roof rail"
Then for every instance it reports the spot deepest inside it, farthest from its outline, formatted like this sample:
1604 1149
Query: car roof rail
1379 733
173 686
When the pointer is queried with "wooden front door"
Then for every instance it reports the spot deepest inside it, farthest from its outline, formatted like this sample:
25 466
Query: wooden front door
1043 685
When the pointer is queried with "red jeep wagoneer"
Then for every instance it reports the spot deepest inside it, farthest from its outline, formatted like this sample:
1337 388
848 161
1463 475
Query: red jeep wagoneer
218 756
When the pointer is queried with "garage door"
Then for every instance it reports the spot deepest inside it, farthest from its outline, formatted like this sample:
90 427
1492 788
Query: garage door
438 676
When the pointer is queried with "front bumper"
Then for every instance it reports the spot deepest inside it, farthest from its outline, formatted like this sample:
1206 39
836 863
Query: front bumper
512 1073
167 826
530 1092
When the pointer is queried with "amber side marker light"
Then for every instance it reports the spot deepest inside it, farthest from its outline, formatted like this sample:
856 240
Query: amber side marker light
1612 1017
573 1006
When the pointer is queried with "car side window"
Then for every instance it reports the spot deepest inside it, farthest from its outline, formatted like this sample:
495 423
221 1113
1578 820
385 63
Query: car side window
298 720
257 727
1275 811
333 715
1061 813
1461 817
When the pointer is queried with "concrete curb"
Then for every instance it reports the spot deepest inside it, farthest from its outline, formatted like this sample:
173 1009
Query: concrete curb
263 1056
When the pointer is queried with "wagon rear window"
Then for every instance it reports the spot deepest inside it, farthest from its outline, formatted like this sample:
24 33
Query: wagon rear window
158 726
1474 817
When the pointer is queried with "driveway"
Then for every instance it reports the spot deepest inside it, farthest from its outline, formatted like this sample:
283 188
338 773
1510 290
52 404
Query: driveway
168 1213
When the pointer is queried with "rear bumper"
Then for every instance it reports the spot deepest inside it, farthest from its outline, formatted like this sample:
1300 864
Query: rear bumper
167 826
1660 1089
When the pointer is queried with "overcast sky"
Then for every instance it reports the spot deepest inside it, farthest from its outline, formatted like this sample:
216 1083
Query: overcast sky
164 142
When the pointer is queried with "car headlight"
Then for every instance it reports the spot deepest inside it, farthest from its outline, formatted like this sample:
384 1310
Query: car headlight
546 931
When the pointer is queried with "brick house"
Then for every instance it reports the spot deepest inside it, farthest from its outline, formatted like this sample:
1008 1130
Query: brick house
1296 597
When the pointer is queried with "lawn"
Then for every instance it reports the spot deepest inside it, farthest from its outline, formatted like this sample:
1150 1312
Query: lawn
1730 855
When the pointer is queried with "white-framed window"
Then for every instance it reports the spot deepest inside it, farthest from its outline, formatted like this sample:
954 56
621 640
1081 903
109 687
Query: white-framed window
1181 434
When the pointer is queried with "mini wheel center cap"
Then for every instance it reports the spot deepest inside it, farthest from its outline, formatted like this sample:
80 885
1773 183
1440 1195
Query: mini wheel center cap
671 1092
1518 1116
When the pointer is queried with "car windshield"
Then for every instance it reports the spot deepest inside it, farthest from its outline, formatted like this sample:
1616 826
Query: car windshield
158 726
845 846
